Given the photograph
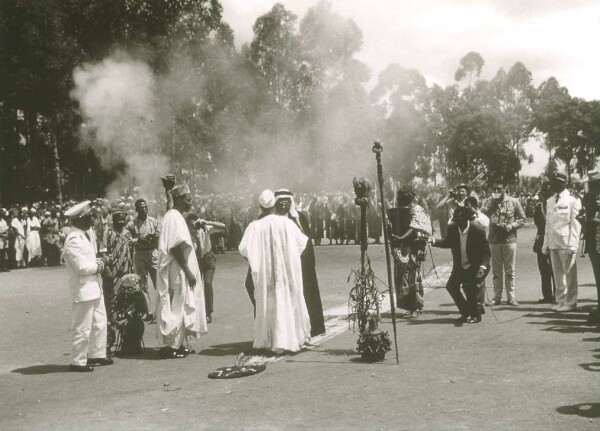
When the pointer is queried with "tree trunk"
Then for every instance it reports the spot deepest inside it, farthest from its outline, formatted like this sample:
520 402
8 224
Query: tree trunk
54 145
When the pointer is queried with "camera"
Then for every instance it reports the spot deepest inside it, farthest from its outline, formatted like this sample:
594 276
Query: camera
199 224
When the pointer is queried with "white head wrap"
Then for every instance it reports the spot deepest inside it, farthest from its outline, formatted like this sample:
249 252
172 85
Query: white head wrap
266 199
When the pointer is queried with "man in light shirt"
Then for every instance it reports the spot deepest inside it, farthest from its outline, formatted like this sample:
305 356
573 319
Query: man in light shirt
506 217
201 230
561 240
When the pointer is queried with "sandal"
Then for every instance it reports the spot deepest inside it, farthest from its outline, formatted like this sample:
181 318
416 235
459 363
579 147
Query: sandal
170 353
186 351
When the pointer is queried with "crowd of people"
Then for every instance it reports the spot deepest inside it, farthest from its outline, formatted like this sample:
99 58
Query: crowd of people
114 248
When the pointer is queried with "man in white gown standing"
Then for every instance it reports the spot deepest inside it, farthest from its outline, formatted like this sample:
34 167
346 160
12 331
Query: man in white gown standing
273 245
179 286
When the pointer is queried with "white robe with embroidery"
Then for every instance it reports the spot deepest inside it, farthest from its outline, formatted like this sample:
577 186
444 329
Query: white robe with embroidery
180 308
273 246
32 241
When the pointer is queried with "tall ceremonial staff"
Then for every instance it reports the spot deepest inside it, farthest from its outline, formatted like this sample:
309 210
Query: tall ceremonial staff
378 149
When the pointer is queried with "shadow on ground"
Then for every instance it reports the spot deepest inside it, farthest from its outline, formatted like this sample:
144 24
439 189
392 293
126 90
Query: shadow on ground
228 349
42 369
586 410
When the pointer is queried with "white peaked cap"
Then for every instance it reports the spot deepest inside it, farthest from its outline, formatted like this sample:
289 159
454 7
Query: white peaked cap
78 210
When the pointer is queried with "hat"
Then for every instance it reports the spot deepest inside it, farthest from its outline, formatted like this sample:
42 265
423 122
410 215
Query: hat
179 191
47 213
283 193
79 210
119 213
24 210
560 177
593 175
266 199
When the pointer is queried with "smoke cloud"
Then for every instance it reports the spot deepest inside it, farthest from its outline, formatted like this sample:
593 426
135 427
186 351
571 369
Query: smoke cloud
121 121
206 120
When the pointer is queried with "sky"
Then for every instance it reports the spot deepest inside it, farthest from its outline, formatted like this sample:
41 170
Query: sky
559 38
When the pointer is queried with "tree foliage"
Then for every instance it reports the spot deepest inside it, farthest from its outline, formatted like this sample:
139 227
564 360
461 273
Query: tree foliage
295 96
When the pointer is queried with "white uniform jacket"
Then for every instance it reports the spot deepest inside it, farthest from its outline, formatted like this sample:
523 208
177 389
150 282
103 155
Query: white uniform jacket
562 228
85 283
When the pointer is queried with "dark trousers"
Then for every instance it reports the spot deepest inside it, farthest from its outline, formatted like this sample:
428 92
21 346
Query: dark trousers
249 283
207 269
595 259
465 279
4 259
545 268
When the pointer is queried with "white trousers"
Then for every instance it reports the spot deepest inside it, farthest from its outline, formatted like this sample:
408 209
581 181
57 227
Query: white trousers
88 331
504 257
564 268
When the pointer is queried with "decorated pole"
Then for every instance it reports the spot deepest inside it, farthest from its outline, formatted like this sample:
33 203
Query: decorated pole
378 149
362 188
365 299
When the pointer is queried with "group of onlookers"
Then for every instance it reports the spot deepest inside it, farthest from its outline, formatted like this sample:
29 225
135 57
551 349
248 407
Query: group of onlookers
29 237
562 221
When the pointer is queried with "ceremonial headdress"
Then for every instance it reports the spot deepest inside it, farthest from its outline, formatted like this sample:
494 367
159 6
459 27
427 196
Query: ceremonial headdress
266 199
79 210
180 190
285 193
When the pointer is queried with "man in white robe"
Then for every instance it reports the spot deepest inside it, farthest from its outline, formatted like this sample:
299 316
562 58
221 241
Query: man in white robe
19 247
273 246
180 307
32 239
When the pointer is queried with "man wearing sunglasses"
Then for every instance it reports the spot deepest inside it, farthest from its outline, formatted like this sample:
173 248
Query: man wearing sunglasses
506 217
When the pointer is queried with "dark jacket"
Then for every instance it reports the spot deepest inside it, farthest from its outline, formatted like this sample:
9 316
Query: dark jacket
539 218
478 249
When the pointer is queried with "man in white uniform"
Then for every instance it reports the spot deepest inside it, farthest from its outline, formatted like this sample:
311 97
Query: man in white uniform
561 240
273 246
88 325
179 286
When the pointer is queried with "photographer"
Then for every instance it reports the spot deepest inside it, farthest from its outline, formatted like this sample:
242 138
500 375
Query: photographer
145 232
506 217
445 208
201 231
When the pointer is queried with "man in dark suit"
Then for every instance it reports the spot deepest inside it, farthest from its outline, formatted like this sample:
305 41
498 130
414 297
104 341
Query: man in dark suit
471 262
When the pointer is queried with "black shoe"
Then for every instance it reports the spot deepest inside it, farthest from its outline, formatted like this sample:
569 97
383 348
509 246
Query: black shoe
170 353
208 318
474 319
99 362
150 318
462 319
81 368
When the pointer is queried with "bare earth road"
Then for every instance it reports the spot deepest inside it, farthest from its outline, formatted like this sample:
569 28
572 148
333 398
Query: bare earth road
522 368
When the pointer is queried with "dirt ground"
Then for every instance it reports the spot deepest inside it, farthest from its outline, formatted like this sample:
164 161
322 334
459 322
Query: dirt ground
521 368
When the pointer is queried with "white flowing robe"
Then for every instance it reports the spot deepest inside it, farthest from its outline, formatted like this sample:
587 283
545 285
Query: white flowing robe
273 246
20 240
32 241
180 308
